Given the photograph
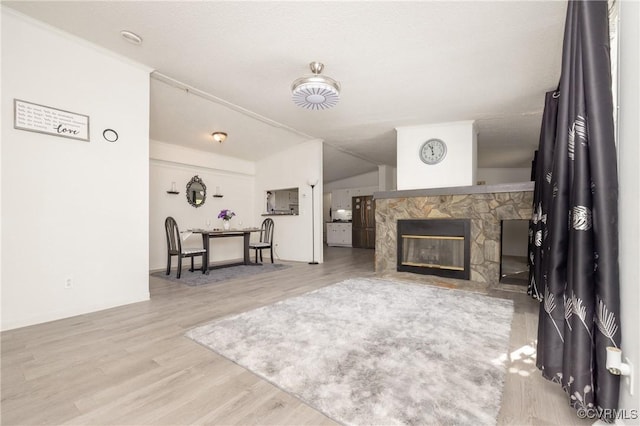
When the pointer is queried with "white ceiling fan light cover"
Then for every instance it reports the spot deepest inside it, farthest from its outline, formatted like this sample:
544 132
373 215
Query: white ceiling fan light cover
317 91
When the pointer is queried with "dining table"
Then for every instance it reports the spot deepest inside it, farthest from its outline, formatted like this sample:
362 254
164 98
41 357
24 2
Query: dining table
208 235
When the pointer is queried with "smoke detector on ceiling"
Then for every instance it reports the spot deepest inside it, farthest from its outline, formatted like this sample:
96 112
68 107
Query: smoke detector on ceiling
317 91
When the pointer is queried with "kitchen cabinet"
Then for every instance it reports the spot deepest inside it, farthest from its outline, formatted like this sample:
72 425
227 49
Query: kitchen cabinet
339 234
341 199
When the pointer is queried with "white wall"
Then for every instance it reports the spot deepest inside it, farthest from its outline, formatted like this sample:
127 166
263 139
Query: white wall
386 178
629 204
235 179
458 167
288 169
358 181
494 176
72 209
192 157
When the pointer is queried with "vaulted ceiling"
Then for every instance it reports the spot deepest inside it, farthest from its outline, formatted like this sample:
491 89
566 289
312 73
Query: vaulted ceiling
229 66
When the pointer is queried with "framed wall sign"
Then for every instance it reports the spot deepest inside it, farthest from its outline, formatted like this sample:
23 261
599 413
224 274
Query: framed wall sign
51 121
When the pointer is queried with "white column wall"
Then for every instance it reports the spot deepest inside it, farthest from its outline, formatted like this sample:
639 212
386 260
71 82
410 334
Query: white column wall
289 169
629 205
386 178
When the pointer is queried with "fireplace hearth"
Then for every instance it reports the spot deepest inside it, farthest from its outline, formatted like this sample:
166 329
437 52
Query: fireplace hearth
434 247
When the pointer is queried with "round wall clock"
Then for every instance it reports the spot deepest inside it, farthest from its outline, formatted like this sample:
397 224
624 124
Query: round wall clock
433 151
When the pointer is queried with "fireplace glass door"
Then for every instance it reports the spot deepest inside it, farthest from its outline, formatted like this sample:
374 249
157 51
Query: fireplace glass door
433 252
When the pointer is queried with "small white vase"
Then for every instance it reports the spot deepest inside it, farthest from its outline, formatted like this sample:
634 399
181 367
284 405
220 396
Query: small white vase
226 225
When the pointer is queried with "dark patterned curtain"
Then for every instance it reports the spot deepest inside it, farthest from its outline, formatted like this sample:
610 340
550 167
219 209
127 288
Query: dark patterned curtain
574 229
542 191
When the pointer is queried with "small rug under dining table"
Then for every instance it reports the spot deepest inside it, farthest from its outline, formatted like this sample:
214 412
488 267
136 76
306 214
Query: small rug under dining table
377 352
197 278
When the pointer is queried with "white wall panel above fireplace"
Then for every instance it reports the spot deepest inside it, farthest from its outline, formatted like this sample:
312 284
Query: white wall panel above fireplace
458 168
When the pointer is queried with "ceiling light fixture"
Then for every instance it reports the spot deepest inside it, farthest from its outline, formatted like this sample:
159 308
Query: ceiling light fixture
131 37
219 136
316 91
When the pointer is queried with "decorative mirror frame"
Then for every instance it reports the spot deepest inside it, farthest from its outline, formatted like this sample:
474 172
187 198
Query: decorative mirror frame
193 180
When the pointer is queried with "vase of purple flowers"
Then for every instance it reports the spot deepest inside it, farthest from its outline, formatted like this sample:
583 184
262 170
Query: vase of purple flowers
226 216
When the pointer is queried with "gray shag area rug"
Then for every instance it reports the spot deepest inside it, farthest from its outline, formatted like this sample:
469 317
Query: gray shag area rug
377 352
197 278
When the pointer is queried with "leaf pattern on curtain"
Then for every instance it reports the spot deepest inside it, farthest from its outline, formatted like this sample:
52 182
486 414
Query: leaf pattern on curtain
568 311
549 303
578 128
606 322
581 218
578 308
573 236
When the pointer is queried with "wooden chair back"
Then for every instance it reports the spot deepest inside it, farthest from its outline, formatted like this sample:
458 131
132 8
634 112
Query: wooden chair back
174 243
266 231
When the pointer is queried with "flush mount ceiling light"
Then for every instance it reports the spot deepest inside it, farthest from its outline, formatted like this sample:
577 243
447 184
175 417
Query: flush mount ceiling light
219 136
316 91
131 37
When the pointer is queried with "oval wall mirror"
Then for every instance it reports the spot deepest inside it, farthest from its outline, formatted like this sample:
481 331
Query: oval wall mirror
196 192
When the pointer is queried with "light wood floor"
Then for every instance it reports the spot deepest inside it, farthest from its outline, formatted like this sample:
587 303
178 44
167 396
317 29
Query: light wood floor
132 364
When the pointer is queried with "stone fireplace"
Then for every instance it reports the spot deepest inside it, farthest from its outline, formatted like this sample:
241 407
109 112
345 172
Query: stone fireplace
483 206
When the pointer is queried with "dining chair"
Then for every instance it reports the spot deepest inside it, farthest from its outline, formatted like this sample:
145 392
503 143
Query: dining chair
266 239
174 247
